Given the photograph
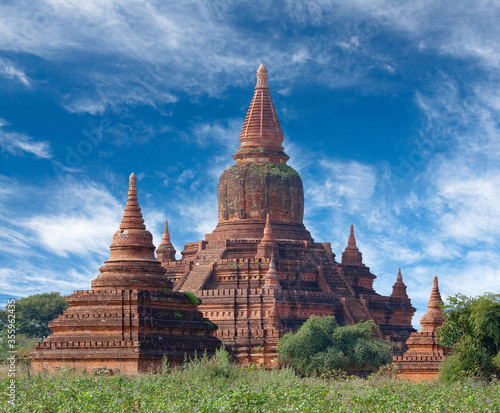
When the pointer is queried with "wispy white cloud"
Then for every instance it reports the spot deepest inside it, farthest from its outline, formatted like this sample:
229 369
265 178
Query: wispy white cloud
197 212
73 217
350 184
60 245
19 144
85 220
224 133
151 52
36 279
9 70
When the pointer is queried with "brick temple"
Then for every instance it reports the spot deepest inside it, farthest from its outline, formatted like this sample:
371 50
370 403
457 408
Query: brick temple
131 317
421 361
260 273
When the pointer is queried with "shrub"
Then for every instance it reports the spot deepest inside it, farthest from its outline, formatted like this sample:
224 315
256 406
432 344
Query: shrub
33 314
219 366
472 327
321 346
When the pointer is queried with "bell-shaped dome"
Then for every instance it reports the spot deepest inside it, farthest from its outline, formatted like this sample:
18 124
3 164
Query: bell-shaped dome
261 184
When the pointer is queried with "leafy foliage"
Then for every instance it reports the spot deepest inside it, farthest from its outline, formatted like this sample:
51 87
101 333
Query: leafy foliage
321 346
33 314
277 390
192 297
472 327
23 346
220 366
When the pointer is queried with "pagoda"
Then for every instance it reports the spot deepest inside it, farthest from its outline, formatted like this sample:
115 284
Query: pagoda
421 361
260 273
130 319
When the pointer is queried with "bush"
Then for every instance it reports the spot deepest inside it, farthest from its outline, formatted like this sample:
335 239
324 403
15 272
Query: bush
33 314
472 327
219 366
321 346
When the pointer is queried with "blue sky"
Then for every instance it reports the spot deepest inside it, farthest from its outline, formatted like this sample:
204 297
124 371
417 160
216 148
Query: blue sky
390 112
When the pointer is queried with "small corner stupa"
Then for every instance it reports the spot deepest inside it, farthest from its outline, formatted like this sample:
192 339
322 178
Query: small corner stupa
421 361
130 319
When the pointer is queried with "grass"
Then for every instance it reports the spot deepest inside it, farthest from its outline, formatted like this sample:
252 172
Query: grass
217 385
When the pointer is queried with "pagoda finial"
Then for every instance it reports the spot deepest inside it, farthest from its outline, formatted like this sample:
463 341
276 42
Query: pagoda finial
351 254
262 77
435 300
272 278
267 246
433 318
132 216
268 230
399 288
261 136
352 238
166 235
166 251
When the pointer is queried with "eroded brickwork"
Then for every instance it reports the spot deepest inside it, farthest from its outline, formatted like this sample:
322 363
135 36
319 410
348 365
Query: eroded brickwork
261 209
421 361
130 319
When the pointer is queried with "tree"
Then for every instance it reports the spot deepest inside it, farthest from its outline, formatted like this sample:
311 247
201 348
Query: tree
321 345
33 314
472 328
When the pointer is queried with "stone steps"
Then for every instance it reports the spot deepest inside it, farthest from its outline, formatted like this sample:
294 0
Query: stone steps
196 277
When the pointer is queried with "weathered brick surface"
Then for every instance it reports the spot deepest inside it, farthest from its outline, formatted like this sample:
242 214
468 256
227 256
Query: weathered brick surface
421 361
130 319
261 209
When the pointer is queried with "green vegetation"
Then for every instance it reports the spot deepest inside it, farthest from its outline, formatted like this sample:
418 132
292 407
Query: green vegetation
192 297
32 316
217 385
34 313
273 169
321 346
472 327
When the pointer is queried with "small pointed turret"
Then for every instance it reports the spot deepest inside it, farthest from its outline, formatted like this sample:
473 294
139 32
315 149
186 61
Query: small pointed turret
268 245
132 264
261 136
166 251
351 254
272 278
399 288
132 216
433 318
424 355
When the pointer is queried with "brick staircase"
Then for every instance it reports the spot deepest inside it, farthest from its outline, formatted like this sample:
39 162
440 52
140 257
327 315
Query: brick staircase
200 271
196 278
336 283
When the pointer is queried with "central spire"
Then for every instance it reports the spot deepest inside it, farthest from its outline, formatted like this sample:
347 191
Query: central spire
261 136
